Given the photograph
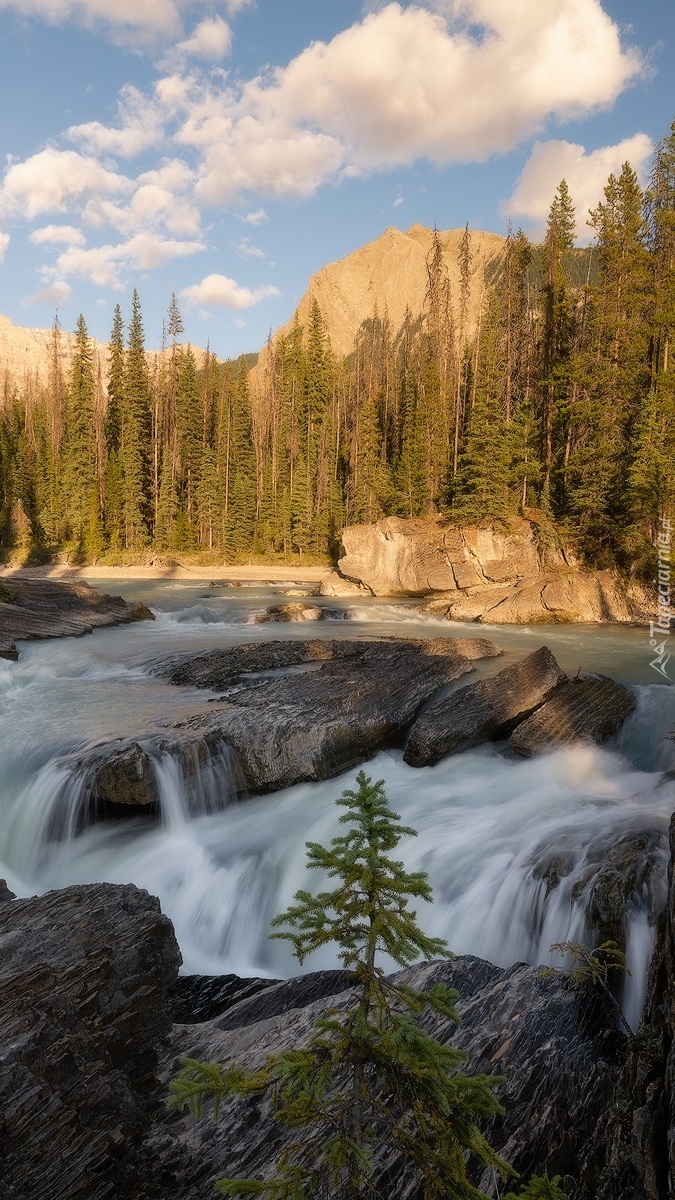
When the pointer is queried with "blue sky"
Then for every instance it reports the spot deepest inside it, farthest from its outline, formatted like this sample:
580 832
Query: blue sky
226 149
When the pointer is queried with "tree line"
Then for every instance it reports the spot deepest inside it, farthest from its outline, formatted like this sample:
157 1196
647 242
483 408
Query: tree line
557 404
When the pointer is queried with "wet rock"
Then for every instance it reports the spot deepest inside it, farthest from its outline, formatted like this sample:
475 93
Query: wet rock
587 709
85 979
123 776
354 698
636 1139
198 998
629 872
5 893
289 613
558 1072
313 591
482 711
44 608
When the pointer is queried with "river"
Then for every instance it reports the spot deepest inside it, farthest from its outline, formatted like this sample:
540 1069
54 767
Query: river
483 820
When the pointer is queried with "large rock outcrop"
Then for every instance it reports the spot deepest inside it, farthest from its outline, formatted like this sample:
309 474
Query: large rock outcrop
482 711
356 697
85 981
588 709
480 574
42 608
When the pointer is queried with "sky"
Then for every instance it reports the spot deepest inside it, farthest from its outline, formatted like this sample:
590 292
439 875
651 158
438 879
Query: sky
224 150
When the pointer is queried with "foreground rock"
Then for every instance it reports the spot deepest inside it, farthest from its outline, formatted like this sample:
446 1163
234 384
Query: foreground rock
483 711
354 698
85 980
41 608
480 574
589 709
88 981
639 1147
559 1070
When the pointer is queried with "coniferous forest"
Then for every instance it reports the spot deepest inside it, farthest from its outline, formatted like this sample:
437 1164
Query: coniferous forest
559 405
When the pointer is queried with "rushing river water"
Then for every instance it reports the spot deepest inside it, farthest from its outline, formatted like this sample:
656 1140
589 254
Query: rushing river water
483 821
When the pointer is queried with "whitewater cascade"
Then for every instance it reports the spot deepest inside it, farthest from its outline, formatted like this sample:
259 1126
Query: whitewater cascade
512 848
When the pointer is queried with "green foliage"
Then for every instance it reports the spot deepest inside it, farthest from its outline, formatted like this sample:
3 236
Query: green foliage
594 969
540 1187
370 1075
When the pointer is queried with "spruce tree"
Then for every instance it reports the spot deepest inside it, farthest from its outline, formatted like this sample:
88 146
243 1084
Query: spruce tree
370 1079
136 435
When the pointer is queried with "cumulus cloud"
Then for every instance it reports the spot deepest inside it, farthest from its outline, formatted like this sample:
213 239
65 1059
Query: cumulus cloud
257 217
402 84
4 243
160 201
57 293
586 176
211 39
152 16
54 235
106 265
246 250
219 291
54 181
141 127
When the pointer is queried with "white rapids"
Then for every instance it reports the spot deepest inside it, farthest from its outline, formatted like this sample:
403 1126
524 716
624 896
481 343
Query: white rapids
222 869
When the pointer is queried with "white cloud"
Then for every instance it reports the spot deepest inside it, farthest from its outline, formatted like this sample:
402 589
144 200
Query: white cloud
586 176
54 235
211 39
226 293
54 181
398 202
141 127
257 217
4 243
106 265
58 293
152 16
246 250
161 201
235 6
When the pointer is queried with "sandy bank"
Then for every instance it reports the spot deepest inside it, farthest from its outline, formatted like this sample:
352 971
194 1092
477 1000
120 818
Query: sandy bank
175 570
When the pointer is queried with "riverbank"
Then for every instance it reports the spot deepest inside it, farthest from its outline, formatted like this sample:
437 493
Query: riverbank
274 573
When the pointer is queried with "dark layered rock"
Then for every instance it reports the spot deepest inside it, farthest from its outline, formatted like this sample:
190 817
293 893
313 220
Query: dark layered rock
5 893
356 698
85 979
44 608
587 709
624 875
638 1137
482 711
559 1071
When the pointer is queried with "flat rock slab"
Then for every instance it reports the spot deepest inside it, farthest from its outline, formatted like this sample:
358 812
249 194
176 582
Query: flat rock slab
589 709
43 608
482 711
341 702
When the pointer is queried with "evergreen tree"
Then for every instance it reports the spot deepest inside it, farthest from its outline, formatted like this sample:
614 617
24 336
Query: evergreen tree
83 513
136 436
558 325
370 1075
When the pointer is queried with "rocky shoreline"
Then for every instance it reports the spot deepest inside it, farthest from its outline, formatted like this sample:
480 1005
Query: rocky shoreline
39 608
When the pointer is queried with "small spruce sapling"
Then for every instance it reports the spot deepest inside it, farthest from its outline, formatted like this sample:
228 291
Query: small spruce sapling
592 969
370 1078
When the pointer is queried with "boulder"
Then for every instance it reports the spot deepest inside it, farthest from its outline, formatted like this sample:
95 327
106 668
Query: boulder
43 608
586 709
482 711
290 613
336 585
85 980
5 893
356 697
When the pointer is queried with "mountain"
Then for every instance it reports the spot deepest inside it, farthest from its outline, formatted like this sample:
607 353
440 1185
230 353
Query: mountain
390 274
26 354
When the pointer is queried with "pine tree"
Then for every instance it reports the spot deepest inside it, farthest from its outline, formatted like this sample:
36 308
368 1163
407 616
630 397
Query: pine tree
80 475
370 1076
136 436
558 326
